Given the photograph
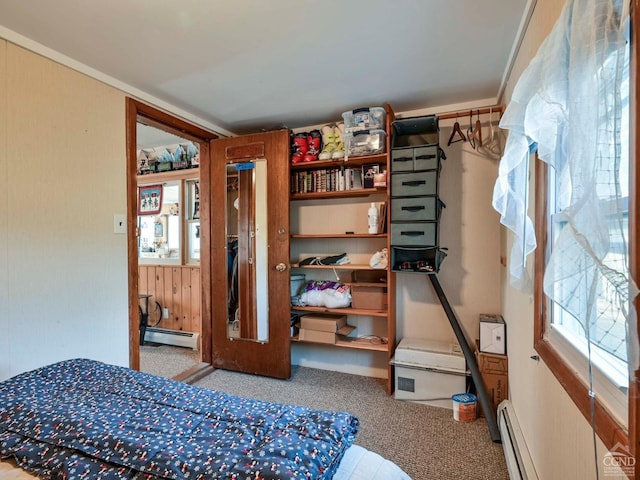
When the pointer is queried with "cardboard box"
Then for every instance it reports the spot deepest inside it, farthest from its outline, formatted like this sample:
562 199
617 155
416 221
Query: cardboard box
319 336
493 338
494 369
369 297
429 372
323 323
493 364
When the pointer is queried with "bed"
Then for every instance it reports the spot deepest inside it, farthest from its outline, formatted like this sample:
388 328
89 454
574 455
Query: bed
84 419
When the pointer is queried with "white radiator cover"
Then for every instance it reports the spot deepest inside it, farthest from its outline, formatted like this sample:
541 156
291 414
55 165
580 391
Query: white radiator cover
519 461
172 337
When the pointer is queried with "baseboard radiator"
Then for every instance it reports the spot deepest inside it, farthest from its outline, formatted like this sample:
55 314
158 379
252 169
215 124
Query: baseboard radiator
515 450
172 337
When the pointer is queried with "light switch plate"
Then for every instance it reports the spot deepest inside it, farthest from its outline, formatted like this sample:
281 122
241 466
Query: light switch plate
119 223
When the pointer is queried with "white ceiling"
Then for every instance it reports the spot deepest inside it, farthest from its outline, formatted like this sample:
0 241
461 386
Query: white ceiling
247 65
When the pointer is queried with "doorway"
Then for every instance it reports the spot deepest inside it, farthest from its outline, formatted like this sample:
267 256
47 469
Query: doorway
139 114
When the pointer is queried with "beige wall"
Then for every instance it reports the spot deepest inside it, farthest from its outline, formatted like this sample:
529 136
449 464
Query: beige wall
557 435
4 250
63 286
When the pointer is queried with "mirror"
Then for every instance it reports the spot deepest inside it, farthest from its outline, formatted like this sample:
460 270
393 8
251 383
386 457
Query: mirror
247 251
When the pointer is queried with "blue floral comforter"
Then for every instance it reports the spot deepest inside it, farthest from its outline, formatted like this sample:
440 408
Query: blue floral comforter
83 419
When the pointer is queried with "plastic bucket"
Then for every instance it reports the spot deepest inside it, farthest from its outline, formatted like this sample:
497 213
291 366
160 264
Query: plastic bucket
297 281
464 407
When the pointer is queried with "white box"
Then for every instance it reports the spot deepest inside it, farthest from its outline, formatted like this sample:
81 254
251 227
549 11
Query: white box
429 372
493 334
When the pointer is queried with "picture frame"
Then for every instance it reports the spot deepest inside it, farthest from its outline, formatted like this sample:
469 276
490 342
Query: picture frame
158 230
150 200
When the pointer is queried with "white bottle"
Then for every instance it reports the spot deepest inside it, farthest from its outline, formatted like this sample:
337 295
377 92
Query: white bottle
373 218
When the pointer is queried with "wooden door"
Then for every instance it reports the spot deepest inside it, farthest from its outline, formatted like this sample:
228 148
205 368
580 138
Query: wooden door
268 356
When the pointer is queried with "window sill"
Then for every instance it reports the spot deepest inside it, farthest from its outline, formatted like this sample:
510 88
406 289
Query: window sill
608 428
611 386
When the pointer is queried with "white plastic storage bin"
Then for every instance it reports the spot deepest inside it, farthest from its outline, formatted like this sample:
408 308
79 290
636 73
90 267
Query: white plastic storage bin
366 118
429 372
365 142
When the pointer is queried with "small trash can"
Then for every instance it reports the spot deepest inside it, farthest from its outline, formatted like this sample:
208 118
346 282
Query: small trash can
464 407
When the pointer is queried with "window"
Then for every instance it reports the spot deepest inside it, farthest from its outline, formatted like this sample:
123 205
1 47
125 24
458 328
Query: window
604 344
161 240
593 357
160 233
193 221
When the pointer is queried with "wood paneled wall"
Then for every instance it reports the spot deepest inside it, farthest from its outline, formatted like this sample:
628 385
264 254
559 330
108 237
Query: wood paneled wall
176 288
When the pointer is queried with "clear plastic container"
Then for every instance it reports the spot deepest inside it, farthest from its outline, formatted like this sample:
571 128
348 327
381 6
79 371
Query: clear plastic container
365 142
366 118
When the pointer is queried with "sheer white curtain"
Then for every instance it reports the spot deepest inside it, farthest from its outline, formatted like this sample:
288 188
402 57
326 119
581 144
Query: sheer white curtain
567 106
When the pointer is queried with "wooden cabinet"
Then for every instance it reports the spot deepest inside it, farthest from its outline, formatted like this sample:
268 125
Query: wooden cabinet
326 223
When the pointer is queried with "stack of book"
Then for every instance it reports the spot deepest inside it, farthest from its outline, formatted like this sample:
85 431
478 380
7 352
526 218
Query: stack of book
326 180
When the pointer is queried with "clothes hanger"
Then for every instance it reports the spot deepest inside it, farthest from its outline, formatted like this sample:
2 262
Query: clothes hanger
493 146
456 129
476 134
470 136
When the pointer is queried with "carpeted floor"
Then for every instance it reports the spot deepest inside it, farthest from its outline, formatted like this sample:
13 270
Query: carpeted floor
166 360
424 441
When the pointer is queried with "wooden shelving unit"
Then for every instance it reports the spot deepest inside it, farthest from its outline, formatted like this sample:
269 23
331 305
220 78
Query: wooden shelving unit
378 332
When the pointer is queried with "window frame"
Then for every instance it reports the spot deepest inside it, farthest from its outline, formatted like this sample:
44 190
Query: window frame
607 427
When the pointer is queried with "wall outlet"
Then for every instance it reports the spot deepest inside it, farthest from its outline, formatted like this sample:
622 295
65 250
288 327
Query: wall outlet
165 313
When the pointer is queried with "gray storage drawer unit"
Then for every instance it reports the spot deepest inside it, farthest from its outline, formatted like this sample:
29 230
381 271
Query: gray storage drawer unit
416 209
414 184
416 159
424 234
415 205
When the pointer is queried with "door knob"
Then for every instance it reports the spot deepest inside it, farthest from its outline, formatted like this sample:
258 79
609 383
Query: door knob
281 267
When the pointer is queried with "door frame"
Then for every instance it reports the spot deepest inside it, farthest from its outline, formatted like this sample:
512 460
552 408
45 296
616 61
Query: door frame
136 110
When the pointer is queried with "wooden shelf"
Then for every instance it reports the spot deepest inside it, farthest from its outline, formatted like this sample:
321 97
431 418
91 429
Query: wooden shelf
367 284
350 162
343 311
185 173
348 342
348 266
339 235
360 192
